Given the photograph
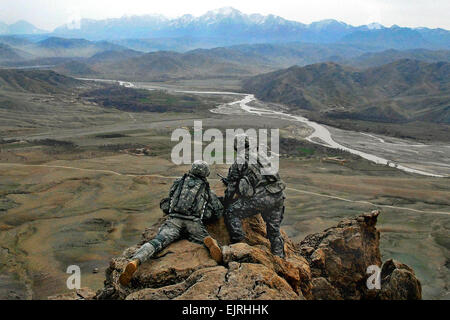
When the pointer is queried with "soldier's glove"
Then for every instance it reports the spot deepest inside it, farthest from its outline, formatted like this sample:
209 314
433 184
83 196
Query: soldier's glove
165 205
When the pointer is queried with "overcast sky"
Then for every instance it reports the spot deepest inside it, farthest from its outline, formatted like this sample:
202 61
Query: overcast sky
48 14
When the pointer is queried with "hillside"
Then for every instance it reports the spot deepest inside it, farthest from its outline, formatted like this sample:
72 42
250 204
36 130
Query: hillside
36 81
114 54
60 47
76 68
165 65
222 62
404 90
376 59
9 54
284 55
394 37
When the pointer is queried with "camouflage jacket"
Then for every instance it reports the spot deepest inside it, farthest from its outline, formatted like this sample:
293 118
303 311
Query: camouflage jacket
208 205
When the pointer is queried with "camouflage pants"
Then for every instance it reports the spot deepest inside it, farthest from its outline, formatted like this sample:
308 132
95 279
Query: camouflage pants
172 230
271 208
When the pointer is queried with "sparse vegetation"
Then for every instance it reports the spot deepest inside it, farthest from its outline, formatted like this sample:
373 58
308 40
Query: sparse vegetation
138 100
111 135
54 143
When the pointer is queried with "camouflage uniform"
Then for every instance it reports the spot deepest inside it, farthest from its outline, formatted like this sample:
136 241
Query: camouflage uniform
256 194
181 224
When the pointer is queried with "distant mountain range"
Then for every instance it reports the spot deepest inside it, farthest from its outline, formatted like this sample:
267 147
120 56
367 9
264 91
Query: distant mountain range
227 26
238 62
20 27
80 57
374 59
405 90
56 47
166 65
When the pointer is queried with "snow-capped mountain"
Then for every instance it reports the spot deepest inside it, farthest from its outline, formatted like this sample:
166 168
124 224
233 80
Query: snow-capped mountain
217 23
327 24
227 26
374 26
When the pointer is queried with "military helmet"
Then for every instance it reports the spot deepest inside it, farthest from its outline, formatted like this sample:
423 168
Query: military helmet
200 168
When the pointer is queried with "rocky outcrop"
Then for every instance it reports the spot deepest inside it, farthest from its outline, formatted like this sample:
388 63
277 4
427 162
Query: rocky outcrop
339 257
328 265
398 282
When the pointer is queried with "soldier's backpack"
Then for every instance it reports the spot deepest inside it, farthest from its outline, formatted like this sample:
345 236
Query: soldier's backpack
254 178
190 196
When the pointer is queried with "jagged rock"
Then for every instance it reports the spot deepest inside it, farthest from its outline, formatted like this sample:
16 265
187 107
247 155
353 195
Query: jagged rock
294 269
252 281
340 255
398 282
339 258
327 265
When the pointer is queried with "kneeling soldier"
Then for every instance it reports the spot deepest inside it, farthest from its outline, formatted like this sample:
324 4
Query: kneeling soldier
190 203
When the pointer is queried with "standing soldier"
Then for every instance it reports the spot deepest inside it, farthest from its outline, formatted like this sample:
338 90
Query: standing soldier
190 203
255 193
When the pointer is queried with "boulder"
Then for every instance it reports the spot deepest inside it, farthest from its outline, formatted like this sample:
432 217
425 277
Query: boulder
339 257
398 282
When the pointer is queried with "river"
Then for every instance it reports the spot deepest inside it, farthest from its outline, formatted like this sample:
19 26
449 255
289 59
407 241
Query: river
435 158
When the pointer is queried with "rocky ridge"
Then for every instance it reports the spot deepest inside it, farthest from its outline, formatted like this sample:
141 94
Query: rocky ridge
330 265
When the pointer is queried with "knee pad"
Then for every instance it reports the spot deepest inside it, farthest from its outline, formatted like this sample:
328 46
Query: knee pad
157 243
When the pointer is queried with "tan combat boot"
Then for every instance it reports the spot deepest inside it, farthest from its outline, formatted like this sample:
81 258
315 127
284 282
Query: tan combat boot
214 249
130 269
